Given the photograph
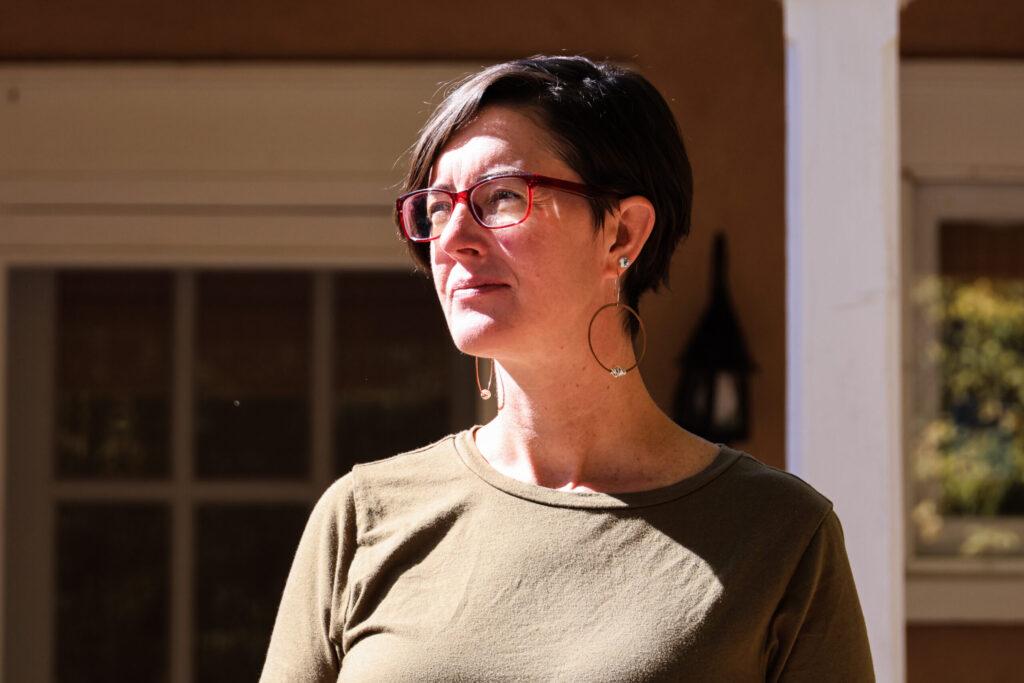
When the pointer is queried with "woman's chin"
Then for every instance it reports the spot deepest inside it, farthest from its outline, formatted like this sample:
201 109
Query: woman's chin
479 337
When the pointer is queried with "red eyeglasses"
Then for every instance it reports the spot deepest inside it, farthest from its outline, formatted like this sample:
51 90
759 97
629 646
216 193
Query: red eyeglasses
499 201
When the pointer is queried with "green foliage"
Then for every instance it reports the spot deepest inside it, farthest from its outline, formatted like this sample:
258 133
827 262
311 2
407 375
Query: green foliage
974 448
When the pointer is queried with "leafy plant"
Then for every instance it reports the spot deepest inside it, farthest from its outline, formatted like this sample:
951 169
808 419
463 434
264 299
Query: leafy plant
972 452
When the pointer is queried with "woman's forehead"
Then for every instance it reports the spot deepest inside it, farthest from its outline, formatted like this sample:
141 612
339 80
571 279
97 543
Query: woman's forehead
498 139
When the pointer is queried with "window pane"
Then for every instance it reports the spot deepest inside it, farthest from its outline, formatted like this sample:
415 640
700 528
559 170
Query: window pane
252 375
395 365
969 457
239 579
112 592
113 374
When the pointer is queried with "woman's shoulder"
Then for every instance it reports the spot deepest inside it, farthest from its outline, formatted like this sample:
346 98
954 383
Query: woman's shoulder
424 464
399 481
772 491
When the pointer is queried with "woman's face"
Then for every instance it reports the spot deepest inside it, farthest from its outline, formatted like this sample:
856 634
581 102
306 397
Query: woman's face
526 291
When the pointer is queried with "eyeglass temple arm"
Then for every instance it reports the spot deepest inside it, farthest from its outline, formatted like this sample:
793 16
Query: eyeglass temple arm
570 186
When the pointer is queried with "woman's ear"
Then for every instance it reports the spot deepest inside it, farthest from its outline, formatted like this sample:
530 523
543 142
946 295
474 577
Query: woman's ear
626 231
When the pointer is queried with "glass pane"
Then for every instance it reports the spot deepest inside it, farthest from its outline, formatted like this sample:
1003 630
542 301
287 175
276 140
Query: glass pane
112 592
395 366
252 375
113 374
969 450
239 579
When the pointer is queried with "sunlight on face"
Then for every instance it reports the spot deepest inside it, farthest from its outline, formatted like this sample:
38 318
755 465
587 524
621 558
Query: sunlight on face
516 292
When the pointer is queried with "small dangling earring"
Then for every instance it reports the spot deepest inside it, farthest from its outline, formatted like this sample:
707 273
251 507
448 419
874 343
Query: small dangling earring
618 370
484 393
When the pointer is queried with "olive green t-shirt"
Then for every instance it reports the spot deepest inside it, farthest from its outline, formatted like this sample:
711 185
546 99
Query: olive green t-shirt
433 566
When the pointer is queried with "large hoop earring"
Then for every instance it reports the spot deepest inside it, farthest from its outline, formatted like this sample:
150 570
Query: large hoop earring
618 370
484 393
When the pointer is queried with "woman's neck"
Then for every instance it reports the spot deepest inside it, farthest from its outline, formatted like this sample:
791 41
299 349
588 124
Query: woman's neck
583 429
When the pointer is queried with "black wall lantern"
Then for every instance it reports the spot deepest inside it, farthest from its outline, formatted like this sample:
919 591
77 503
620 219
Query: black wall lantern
713 398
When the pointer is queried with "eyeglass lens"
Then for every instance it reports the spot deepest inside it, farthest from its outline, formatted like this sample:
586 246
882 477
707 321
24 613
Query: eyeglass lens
495 203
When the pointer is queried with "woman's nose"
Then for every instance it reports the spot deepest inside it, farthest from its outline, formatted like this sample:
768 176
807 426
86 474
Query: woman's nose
462 234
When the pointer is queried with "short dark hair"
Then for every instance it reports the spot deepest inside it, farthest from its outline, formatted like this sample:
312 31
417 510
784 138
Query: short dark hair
608 124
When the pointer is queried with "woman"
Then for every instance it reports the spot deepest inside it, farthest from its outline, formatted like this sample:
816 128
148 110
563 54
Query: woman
580 535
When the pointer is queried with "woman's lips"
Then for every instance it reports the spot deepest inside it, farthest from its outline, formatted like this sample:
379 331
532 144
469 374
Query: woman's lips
477 290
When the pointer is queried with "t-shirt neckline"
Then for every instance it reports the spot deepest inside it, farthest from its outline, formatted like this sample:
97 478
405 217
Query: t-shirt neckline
465 446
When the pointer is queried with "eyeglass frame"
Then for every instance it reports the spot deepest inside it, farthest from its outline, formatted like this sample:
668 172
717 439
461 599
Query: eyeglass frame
532 180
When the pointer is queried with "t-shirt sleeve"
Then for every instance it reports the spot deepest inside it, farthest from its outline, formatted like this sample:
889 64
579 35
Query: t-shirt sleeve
818 632
303 645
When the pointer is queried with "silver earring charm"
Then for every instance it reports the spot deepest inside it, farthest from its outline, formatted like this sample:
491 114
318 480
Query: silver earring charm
624 262
485 393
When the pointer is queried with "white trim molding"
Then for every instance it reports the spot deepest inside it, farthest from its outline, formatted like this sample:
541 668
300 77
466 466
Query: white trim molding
209 164
843 431
961 121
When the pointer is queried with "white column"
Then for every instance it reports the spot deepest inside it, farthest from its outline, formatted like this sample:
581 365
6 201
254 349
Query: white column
843 320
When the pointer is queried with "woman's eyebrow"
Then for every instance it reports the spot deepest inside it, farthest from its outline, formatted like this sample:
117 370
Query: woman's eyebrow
499 170
489 173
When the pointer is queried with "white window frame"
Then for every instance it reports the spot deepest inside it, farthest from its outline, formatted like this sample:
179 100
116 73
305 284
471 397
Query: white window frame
203 166
962 155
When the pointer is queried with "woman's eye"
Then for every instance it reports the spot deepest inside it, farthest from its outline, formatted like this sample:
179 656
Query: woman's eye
501 195
438 208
